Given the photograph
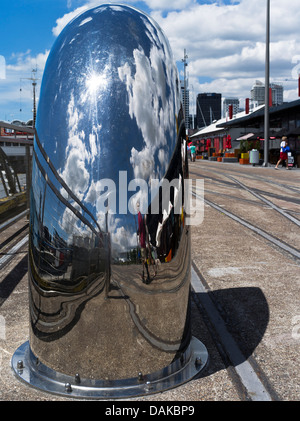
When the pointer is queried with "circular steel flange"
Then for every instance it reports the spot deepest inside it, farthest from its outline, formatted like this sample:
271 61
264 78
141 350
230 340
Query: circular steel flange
29 369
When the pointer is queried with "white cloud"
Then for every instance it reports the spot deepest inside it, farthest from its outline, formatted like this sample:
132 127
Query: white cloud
68 17
151 4
25 62
16 88
169 5
2 67
226 43
64 20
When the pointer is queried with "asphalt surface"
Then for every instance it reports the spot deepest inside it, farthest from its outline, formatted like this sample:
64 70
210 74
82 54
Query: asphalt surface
252 282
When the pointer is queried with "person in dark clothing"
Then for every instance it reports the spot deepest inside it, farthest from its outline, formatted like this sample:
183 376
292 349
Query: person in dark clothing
142 237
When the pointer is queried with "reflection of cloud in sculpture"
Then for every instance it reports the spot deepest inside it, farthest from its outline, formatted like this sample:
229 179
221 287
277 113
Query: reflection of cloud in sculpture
75 173
79 158
147 101
102 194
117 8
149 77
92 193
142 162
72 226
122 241
108 7
89 19
151 102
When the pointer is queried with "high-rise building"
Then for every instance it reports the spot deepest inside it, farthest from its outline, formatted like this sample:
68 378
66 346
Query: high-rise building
258 93
277 93
235 102
185 98
209 108
192 121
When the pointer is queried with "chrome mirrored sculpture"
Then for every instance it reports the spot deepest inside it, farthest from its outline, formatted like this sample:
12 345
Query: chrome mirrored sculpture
109 252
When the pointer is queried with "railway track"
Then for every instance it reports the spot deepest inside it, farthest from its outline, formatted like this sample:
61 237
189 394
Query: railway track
269 237
240 197
224 171
293 199
268 204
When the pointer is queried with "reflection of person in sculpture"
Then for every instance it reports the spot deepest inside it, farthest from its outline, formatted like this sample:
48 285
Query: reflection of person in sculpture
142 236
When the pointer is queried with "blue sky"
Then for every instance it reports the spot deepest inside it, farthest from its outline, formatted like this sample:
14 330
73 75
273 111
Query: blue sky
225 43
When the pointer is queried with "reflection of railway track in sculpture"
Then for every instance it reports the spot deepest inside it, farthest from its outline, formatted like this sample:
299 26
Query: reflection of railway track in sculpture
14 241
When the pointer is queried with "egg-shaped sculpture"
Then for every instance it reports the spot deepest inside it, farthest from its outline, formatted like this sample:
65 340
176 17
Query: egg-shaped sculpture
109 250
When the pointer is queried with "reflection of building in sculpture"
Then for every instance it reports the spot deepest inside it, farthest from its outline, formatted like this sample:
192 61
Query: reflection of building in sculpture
65 244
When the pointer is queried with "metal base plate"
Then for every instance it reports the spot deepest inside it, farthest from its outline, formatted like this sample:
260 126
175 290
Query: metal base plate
28 369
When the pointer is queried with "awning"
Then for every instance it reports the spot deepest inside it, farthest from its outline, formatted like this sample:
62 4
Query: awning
246 136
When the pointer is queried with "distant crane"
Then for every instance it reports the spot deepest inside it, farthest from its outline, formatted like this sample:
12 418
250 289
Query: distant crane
34 79
202 115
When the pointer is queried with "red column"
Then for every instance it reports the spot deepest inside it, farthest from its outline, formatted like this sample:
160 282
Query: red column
247 108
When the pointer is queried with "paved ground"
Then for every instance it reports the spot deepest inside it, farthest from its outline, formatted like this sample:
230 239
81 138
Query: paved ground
253 282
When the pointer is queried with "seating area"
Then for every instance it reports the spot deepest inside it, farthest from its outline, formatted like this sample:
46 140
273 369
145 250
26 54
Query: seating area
223 156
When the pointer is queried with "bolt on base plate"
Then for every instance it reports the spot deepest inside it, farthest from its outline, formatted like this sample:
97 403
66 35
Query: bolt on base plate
29 369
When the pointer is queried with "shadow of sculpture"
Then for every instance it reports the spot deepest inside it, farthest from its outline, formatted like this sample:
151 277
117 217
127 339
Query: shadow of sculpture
244 318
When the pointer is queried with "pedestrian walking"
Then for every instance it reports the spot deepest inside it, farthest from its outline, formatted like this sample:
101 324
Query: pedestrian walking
193 153
284 148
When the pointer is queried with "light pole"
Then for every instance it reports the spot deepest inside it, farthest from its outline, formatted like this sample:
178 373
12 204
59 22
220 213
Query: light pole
267 91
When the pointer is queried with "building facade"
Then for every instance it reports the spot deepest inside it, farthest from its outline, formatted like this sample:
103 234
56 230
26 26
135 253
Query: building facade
284 121
209 108
185 99
258 93
235 102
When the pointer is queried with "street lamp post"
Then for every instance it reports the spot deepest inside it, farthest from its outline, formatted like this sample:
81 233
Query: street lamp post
267 91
